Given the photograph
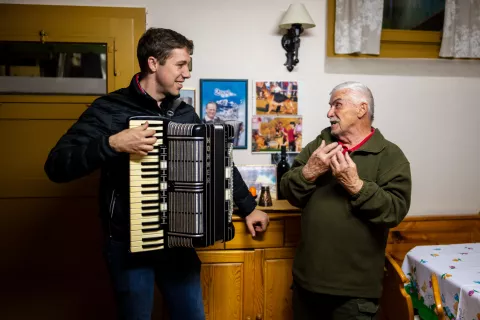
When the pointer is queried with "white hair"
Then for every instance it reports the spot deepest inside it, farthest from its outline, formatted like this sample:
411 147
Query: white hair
362 94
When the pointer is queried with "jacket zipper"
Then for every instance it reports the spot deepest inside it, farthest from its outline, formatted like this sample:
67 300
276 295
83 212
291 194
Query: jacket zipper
112 203
111 209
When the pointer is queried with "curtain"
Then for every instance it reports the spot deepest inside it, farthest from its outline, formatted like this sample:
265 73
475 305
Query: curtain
358 26
461 29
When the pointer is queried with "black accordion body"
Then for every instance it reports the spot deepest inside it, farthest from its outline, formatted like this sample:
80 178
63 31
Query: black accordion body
181 193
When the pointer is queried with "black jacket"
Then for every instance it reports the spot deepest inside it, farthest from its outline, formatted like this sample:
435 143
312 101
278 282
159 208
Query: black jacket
84 148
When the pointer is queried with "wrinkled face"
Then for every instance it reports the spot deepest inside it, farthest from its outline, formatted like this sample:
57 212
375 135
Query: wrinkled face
211 110
170 76
343 113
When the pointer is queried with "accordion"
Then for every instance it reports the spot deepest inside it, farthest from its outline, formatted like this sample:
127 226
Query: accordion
181 193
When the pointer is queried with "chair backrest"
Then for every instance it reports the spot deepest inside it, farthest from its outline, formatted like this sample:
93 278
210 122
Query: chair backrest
395 303
437 297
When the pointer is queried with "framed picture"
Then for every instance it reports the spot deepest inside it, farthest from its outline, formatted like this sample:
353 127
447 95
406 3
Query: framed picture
188 95
276 97
226 101
260 175
270 133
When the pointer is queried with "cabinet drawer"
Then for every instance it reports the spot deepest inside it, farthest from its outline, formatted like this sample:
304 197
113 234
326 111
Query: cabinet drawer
273 237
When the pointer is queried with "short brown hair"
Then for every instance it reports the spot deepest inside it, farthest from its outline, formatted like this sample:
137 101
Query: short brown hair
159 43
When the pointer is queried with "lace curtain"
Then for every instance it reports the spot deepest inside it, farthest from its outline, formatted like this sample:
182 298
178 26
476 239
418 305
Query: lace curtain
358 26
461 29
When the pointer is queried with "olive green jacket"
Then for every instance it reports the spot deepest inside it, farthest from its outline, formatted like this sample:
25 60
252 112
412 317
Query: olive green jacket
343 239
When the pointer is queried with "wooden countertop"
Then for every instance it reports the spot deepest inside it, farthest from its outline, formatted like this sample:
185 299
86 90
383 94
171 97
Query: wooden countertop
279 209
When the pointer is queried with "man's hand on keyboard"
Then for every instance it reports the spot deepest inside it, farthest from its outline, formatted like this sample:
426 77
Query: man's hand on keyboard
137 140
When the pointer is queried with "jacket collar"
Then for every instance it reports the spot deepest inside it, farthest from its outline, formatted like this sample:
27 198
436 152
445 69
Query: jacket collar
146 100
375 144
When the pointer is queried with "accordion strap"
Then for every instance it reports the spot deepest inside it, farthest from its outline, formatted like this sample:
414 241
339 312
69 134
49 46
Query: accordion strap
171 111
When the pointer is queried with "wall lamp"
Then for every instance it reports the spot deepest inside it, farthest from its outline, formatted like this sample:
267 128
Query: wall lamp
295 20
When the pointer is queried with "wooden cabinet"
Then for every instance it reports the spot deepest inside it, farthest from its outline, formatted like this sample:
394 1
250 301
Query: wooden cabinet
249 278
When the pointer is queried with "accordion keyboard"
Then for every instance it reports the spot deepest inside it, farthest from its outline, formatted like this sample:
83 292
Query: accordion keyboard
148 184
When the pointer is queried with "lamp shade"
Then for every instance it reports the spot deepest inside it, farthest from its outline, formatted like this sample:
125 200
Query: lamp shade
297 13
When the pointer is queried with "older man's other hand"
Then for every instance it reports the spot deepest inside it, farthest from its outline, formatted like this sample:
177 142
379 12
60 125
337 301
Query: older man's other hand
345 170
319 161
257 221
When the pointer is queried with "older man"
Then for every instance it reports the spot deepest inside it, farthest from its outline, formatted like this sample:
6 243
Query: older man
211 113
352 185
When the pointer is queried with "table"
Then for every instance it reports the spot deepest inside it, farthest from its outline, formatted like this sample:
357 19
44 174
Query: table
457 267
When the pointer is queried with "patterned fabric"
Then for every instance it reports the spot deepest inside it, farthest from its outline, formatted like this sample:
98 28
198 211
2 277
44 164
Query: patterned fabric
457 267
461 29
358 26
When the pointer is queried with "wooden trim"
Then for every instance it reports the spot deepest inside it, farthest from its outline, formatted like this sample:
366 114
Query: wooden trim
393 43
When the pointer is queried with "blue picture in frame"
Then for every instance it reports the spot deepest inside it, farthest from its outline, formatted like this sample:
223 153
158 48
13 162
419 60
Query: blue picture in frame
226 101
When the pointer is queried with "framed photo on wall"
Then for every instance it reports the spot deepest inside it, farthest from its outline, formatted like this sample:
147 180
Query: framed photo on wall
276 98
270 133
188 96
226 101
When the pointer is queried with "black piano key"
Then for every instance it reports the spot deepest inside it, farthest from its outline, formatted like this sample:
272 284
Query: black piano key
153 228
149 163
149 170
149 201
149 185
150 214
150 223
149 207
147 176
150 192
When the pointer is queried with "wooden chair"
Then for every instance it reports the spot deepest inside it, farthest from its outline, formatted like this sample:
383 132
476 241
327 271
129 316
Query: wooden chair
395 303
437 297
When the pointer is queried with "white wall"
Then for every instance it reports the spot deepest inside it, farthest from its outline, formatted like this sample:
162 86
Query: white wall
429 108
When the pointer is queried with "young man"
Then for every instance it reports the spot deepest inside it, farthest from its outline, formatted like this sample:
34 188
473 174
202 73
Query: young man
99 139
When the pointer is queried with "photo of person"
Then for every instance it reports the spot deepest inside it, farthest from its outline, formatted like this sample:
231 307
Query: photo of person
270 133
276 97
188 96
225 102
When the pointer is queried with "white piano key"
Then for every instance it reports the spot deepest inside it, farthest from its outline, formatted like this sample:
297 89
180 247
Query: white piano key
136 196
138 181
139 211
140 249
145 219
139 205
140 189
143 242
138 234
139 227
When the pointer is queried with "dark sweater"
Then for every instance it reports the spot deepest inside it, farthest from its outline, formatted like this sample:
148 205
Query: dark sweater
343 239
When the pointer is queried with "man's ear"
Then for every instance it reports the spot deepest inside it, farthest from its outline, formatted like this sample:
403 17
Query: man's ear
152 64
362 109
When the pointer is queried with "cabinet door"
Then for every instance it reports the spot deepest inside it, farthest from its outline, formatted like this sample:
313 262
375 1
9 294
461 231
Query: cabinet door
227 284
277 281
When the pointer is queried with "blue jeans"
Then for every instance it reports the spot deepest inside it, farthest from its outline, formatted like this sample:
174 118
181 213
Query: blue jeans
175 271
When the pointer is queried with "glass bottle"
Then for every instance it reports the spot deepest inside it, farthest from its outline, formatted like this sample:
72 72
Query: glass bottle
265 199
282 168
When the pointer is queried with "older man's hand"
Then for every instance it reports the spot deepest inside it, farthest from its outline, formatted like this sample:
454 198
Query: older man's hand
319 161
257 221
345 170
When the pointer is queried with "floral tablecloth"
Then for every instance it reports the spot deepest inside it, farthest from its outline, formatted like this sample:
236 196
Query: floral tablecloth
458 271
